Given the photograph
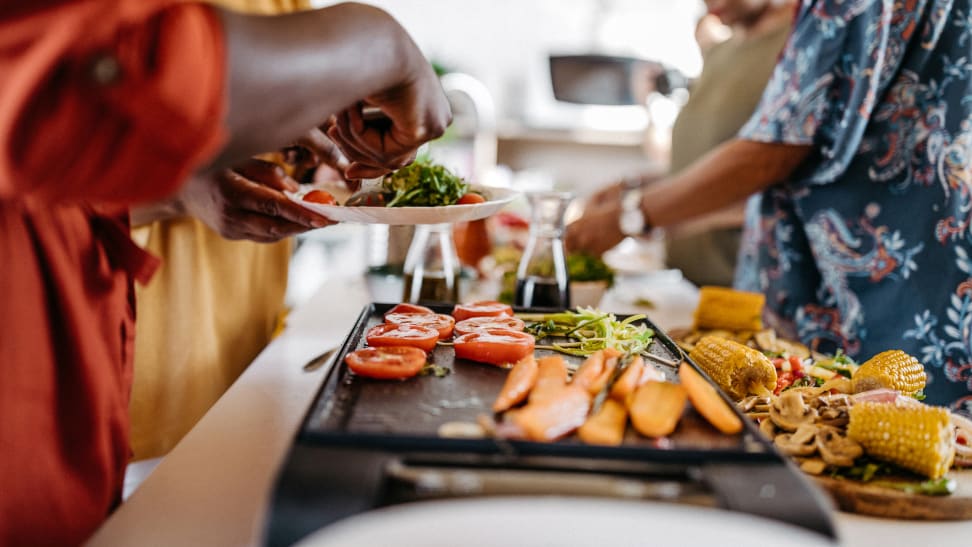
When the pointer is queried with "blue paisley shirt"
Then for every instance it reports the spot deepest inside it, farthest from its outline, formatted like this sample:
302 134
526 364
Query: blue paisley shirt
868 246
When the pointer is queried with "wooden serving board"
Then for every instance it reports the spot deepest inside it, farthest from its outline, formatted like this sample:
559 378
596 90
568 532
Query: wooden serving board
877 501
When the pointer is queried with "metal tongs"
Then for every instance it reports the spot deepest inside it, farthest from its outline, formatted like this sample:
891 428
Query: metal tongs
623 363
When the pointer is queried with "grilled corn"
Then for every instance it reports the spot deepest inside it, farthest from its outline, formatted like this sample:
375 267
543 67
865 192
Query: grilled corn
914 436
737 369
892 369
724 308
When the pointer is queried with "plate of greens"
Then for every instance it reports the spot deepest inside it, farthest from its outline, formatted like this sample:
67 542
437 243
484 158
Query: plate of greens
420 193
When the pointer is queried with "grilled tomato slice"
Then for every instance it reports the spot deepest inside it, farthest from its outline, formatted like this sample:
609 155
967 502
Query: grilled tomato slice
439 321
483 308
474 324
495 346
391 363
390 334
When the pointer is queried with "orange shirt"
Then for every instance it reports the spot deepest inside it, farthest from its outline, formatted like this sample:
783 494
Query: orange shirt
100 101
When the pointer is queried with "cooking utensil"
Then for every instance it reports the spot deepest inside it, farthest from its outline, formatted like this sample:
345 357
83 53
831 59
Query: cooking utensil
319 361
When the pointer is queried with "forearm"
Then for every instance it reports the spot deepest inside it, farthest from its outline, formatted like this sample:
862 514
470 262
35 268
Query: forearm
153 212
728 174
299 69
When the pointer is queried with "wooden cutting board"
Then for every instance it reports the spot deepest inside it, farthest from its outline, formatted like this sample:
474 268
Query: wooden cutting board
865 499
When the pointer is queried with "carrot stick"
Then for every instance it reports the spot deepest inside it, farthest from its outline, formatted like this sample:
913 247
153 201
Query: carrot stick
595 371
554 416
629 379
551 377
707 401
518 384
606 427
656 407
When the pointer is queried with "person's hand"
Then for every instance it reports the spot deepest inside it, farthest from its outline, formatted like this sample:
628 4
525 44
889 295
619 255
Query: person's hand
414 111
598 229
248 203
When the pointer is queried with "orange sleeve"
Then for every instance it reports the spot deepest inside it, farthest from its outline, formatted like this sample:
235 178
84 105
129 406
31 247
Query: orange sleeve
108 100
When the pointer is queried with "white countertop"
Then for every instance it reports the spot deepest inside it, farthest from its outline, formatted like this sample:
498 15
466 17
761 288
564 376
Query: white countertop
213 489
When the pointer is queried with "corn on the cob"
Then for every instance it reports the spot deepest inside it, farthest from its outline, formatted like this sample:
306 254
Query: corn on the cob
724 308
892 369
914 436
739 370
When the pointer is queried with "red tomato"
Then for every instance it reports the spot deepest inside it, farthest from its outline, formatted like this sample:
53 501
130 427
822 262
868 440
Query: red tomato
320 196
796 364
438 321
408 308
778 362
783 381
471 198
393 363
475 324
388 334
483 308
495 346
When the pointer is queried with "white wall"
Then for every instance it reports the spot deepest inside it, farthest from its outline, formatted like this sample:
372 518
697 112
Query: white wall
505 43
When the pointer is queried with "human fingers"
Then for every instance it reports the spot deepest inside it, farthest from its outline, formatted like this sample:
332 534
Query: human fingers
266 173
245 195
361 171
327 152
341 133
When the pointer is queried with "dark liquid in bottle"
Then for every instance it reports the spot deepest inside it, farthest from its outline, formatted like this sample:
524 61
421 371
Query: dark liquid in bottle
431 289
541 292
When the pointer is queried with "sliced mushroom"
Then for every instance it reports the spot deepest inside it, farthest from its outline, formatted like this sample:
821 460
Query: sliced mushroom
789 411
799 443
834 417
813 466
836 449
768 428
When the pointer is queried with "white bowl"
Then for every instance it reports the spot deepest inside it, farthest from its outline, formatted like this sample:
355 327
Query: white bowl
587 293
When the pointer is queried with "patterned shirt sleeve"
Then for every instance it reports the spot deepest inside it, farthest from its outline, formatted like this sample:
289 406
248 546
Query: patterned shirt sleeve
822 93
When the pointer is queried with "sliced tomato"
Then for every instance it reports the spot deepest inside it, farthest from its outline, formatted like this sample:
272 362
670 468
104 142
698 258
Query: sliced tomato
796 364
783 380
320 196
474 324
390 334
391 363
438 321
408 308
471 198
494 346
483 308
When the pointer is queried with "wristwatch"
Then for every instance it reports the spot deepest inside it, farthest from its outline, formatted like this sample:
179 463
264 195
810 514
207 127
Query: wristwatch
632 220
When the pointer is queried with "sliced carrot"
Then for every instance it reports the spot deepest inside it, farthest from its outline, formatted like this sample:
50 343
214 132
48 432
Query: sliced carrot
656 407
556 415
606 427
708 402
595 371
551 377
629 379
518 384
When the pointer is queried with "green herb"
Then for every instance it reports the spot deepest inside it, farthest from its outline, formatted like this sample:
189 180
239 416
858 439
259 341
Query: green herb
839 363
586 267
423 183
587 330
933 487
920 395
438 371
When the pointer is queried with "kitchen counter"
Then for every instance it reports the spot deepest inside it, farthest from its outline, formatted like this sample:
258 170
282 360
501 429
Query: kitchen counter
213 489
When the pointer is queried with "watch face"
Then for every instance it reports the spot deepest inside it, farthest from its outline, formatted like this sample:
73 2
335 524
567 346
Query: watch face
632 222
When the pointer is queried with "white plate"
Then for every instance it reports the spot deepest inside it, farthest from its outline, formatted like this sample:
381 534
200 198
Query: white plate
497 198
475 522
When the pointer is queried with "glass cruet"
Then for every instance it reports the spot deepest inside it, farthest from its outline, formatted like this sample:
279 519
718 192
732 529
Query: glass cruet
541 278
431 266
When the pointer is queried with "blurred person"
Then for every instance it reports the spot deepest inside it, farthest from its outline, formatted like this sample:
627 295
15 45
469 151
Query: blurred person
860 236
219 276
734 74
105 104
